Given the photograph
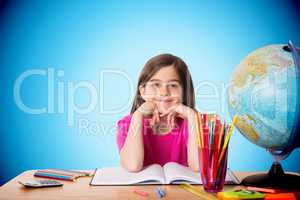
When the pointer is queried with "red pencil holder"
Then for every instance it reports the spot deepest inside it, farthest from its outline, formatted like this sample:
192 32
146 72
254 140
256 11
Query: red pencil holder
212 168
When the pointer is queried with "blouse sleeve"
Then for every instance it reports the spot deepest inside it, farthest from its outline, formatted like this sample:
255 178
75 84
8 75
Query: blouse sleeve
122 130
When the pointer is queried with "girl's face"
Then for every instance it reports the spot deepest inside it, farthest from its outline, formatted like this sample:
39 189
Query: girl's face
164 89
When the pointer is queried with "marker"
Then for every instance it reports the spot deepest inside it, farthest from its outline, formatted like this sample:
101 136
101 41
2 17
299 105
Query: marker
141 193
280 196
265 190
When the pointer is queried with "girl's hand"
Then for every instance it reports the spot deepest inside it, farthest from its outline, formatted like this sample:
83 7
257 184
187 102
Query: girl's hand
178 110
149 108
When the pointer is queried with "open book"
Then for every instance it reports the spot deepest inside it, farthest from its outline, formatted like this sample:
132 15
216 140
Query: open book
170 173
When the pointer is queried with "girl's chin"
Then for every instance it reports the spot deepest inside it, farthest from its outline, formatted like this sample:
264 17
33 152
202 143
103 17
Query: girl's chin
163 107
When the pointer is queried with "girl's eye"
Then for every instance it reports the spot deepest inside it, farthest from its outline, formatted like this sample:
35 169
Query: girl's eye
153 85
174 85
156 84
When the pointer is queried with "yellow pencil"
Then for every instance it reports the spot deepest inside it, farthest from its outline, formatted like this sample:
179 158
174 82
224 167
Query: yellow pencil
196 191
198 130
227 138
201 130
220 135
229 132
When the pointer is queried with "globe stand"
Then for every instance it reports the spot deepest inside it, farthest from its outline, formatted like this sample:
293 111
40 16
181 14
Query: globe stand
275 178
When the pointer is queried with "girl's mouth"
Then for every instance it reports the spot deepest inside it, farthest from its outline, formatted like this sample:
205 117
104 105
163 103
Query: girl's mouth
164 99
164 104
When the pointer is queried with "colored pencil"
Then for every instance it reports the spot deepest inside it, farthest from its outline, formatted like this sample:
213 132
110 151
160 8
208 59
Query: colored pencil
265 190
228 135
198 130
53 176
213 138
141 192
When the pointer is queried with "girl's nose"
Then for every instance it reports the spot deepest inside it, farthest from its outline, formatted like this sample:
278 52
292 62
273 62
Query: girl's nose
164 91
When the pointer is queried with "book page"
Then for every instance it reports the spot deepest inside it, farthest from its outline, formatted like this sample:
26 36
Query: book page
152 174
176 173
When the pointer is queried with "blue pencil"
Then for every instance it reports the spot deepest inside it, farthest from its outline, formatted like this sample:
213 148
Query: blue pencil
55 176
160 193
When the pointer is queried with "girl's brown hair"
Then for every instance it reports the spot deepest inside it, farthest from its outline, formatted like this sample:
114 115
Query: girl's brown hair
154 65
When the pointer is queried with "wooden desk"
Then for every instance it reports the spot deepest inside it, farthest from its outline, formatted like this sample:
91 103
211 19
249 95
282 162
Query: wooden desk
82 190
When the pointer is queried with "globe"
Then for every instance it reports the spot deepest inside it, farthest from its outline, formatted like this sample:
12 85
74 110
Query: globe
264 94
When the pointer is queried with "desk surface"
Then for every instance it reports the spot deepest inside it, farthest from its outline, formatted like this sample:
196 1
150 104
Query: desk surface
80 189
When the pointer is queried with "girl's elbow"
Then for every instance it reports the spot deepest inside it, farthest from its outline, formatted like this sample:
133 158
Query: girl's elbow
132 166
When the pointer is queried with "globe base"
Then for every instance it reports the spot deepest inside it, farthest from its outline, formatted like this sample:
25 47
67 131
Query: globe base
275 178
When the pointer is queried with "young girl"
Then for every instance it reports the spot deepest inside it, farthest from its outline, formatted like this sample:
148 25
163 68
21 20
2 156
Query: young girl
160 128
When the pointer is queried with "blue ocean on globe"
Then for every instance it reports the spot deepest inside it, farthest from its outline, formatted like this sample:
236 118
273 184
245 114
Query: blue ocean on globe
264 94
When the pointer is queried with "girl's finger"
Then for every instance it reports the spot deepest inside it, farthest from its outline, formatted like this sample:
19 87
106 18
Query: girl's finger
178 113
169 110
154 117
173 121
153 120
157 115
181 116
164 113
169 118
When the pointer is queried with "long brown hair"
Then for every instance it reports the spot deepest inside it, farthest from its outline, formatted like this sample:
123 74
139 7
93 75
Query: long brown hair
154 65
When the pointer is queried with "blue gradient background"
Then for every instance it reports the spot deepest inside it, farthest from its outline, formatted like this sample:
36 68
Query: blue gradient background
84 37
